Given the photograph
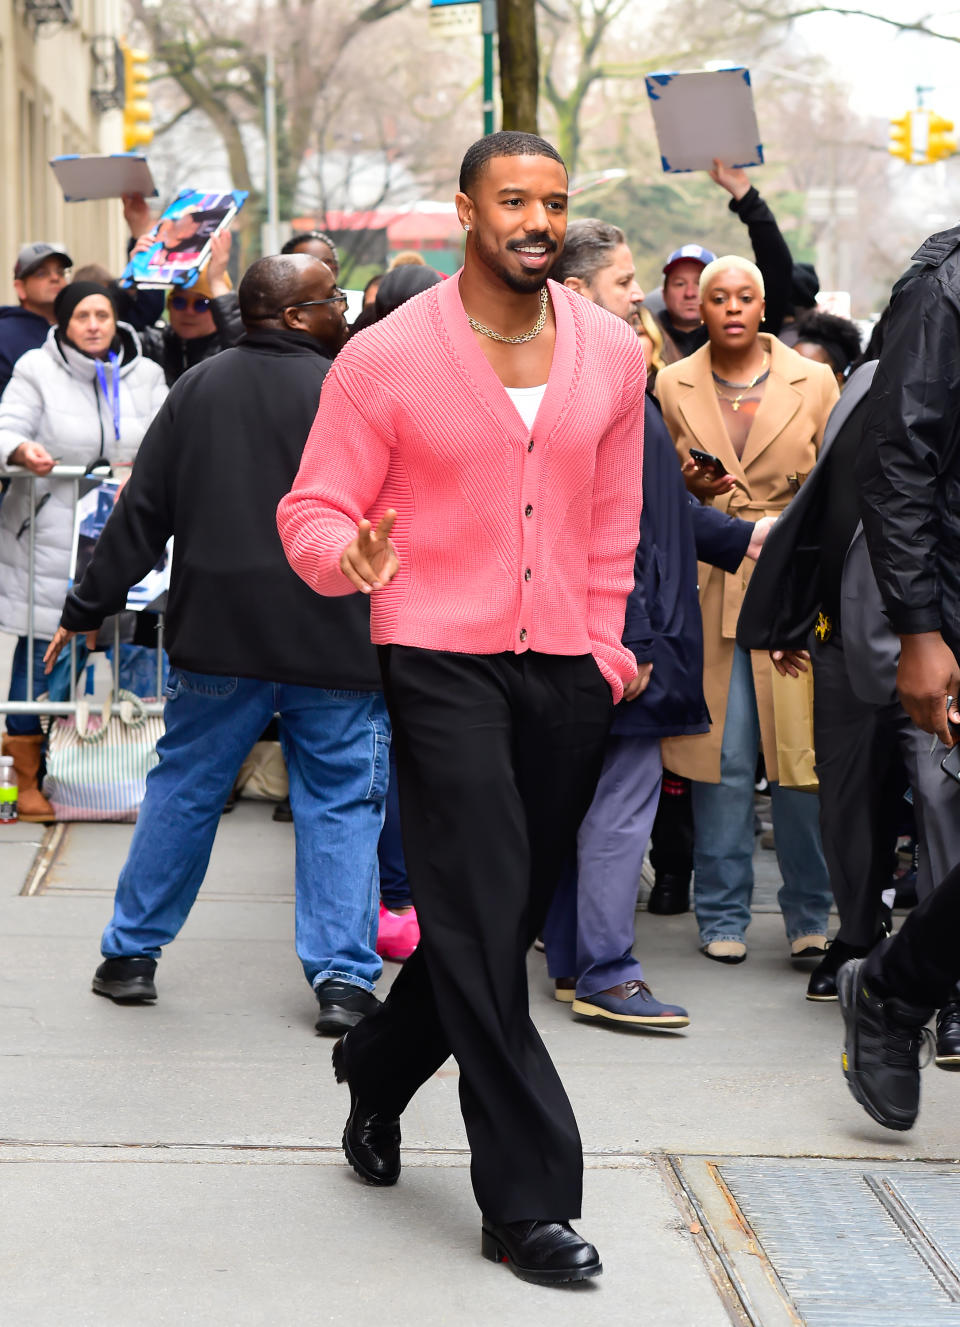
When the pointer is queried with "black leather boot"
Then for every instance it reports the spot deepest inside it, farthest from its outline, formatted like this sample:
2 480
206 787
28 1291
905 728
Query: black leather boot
371 1140
544 1252
948 1036
670 894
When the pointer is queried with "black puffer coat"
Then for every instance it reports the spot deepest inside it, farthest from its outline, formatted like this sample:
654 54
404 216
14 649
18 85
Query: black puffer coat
908 469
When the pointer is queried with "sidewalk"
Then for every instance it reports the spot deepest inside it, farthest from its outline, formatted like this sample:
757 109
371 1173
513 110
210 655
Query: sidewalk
180 1163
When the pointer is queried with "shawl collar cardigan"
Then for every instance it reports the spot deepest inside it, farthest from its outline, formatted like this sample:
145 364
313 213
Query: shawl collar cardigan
508 539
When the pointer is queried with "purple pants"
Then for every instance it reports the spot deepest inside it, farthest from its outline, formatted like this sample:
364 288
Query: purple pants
589 932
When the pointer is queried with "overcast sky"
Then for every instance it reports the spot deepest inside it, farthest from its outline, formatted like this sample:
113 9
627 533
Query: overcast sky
884 67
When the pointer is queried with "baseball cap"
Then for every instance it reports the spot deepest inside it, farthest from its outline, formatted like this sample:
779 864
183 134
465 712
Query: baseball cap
32 255
694 253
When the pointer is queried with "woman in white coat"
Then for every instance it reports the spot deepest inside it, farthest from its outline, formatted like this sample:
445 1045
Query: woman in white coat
86 395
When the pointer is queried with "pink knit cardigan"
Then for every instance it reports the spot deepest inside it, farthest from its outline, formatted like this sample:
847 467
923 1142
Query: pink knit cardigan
508 539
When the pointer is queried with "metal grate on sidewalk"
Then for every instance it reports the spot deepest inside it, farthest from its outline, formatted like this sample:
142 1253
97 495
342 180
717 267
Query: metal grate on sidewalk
844 1243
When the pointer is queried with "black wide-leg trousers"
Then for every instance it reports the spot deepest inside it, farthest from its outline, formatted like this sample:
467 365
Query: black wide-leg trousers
498 757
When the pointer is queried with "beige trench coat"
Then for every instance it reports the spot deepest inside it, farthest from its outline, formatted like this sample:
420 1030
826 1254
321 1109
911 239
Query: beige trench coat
781 450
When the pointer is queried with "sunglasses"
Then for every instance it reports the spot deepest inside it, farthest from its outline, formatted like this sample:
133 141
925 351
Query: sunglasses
199 303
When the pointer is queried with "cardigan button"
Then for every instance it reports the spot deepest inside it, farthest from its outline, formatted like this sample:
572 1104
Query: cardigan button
527 574
523 633
528 510
530 445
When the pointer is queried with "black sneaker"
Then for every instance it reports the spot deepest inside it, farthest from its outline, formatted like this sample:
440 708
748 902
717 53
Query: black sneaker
948 1036
126 980
881 1057
342 1005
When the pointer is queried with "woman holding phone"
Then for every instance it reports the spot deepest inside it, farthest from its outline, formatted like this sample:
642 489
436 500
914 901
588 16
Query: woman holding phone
757 409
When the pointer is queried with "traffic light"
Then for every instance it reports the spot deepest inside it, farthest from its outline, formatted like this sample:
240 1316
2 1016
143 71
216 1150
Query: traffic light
137 110
901 137
940 140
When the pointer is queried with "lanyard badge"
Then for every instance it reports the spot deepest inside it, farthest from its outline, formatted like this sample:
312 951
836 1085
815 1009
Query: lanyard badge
114 396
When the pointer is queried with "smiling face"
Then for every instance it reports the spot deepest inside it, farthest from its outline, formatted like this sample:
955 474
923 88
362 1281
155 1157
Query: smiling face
732 309
681 293
517 219
93 325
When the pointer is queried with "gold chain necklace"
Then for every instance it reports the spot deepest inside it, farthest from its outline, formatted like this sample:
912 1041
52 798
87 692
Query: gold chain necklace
535 330
734 402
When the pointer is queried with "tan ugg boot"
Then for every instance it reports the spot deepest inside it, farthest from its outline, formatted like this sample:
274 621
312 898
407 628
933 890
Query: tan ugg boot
27 751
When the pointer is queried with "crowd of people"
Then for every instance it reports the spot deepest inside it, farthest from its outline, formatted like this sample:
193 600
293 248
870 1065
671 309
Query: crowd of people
528 576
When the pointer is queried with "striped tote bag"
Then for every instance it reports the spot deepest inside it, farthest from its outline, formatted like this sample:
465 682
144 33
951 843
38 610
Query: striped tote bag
97 766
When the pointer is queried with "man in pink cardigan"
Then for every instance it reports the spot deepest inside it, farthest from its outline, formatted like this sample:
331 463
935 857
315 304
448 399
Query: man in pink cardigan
475 467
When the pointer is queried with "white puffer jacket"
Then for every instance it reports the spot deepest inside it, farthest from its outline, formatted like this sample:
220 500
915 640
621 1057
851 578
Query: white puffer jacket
54 398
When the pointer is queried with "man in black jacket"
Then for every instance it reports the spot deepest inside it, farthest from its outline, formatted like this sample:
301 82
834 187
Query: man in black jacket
909 479
247 639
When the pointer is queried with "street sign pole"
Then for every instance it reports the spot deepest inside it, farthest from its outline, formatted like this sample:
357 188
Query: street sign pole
488 16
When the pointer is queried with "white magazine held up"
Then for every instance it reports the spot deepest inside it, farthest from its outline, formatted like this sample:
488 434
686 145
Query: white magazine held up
702 116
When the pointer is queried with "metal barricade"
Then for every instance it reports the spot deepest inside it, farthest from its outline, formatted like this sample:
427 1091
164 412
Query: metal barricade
74 473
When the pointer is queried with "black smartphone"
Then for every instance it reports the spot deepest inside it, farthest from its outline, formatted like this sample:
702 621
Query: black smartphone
706 461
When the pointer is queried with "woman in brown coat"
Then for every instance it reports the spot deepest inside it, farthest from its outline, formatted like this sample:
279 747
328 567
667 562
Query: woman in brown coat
760 408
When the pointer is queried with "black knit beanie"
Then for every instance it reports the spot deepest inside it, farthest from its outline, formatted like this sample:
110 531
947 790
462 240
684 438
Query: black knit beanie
71 295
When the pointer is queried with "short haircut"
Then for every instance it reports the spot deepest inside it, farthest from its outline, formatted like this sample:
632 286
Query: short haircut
731 260
506 143
269 285
587 249
304 235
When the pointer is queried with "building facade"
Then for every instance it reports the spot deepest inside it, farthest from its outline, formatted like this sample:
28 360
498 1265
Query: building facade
58 94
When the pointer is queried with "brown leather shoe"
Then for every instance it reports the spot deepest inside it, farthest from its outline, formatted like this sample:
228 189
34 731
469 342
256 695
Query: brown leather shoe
565 989
27 752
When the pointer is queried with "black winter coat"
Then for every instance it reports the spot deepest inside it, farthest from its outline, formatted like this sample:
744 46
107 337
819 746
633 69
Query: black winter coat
663 623
222 451
908 470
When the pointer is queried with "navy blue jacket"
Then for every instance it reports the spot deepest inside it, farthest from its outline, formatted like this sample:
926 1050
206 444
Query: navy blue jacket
663 622
20 331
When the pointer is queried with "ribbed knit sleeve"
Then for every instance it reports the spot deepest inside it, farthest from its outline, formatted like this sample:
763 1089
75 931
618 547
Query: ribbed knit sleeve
614 532
344 465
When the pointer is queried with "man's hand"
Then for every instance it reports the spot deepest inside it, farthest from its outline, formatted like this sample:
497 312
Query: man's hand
33 456
927 675
217 266
790 663
370 562
638 685
759 536
137 214
62 638
735 180
702 484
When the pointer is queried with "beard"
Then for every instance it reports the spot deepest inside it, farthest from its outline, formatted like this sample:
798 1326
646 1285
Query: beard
521 283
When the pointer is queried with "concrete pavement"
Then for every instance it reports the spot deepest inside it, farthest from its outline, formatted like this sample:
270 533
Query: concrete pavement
180 1163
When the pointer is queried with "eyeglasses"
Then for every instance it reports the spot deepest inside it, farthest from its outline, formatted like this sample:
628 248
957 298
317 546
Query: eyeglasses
199 303
338 297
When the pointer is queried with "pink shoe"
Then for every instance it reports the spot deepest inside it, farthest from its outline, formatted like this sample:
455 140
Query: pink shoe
398 934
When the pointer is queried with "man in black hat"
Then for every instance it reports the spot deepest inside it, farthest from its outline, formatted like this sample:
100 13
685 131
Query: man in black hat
39 274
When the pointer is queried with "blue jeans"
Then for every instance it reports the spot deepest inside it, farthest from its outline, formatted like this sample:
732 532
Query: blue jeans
724 838
336 745
57 685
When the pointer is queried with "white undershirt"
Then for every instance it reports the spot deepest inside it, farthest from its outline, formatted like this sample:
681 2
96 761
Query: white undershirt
527 401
